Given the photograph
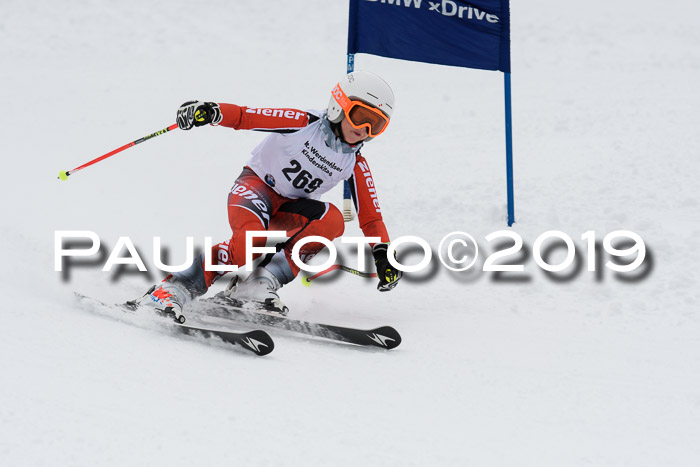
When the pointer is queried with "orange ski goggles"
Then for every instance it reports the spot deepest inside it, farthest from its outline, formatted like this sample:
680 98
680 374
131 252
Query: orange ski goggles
361 115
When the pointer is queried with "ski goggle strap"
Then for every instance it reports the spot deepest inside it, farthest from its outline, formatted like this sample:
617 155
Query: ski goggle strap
361 115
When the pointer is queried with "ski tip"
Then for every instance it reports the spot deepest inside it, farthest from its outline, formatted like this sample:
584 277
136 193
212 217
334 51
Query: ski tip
386 337
259 342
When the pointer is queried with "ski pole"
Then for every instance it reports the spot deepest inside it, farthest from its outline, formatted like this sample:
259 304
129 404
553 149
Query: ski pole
63 175
306 281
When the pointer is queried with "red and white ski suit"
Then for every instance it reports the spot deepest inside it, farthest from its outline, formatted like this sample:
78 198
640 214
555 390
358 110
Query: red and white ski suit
289 170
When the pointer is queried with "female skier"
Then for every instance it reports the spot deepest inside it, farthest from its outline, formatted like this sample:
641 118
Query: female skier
306 154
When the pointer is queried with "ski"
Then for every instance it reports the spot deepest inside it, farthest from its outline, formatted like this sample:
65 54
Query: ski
256 341
219 306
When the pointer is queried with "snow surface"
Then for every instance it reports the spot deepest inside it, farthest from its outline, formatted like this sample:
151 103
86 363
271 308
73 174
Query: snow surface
593 370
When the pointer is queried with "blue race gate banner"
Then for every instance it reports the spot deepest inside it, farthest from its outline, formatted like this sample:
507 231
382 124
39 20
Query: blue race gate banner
474 34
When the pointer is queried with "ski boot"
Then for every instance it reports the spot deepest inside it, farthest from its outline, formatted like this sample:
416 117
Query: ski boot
168 297
259 288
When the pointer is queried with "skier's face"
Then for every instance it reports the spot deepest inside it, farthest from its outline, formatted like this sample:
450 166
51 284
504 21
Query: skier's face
352 135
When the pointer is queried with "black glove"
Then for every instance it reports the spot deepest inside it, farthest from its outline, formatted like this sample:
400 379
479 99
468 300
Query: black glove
388 275
195 113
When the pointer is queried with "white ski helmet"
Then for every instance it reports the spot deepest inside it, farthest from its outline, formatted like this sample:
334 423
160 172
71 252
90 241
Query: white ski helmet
366 87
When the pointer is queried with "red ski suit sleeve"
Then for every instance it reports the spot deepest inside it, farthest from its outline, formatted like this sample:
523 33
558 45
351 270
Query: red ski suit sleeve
247 118
369 214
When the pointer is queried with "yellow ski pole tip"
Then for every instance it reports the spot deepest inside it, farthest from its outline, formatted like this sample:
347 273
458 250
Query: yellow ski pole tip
63 175
306 282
